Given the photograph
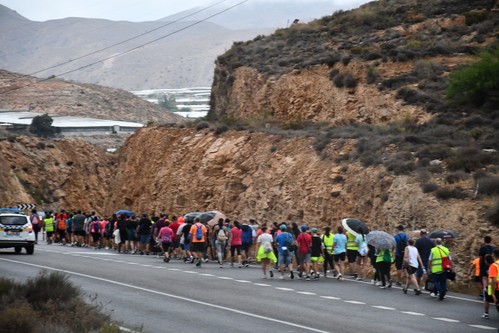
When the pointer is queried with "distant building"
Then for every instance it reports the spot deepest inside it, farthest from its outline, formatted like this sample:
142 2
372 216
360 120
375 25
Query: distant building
22 119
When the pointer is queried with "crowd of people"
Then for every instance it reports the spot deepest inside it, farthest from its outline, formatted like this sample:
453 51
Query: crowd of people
289 251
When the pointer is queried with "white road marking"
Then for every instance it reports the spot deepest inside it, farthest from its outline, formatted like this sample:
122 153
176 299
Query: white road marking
331 297
243 281
382 307
483 327
262 284
248 314
206 274
355 302
413 313
447 320
174 269
190 272
90 253
284 289
225 278
305 293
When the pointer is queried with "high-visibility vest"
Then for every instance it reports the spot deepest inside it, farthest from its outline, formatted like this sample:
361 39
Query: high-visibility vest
352 242
490 292
49 224
436 258
328 243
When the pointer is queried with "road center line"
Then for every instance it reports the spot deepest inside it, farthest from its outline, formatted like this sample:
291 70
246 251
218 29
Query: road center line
413 313
331 297
248 314
262 284
483 327
382 307
284 289
447 320
355 302
305 293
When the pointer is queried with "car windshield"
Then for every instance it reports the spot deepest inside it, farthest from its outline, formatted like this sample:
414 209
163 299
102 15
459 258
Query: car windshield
13 220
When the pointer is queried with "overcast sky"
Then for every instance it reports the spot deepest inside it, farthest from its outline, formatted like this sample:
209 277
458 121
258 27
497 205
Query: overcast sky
126 10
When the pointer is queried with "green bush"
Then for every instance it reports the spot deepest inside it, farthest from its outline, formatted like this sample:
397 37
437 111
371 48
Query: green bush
475 82
488 185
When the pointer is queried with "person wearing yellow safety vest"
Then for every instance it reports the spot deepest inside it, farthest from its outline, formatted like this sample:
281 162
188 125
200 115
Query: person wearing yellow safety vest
327 242
439 275
493 281
384 261
352 248
49 225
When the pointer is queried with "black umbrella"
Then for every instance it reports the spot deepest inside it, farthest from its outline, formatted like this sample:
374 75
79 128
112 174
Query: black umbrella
352 225
211 218
443 234
189 218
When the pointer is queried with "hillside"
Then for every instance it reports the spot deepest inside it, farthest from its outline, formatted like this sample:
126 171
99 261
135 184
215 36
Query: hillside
294 139
55 96
182 59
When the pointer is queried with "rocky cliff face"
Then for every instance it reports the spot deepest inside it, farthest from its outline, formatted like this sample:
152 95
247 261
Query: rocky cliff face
246 175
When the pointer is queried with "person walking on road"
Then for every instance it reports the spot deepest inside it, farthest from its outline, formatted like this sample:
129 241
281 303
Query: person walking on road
340 249
327 243
198 240
304 242
235 241
439 275
221 239
362 251
286 251
401 242
493 281
316 253
412 261
265 252
424 246
384 261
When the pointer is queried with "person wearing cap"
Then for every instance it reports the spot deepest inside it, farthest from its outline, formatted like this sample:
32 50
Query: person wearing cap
424 246
285 250
304 242
340 249
316 252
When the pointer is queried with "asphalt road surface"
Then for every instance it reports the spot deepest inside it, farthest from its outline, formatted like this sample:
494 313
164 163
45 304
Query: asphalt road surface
143 291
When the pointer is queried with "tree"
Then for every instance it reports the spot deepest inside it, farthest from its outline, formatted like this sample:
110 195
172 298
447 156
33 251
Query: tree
476 82
169 102
42 126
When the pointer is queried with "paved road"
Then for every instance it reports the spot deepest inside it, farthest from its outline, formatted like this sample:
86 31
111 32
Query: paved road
145 291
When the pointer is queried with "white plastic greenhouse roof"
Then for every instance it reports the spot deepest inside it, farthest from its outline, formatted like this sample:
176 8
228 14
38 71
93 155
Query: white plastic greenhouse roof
26 117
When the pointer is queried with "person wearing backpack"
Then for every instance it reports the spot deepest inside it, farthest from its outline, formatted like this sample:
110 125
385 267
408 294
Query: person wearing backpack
95 231
401 242
35 222
198 240
220 232
437 263
285 251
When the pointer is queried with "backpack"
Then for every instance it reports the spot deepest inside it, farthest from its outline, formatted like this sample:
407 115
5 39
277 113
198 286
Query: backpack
109 228
387 256
290 243
221 237
95 227
401 240
446 263
199 232
35 219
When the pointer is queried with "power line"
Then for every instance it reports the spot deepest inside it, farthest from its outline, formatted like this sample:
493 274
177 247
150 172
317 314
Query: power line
126 40
129 50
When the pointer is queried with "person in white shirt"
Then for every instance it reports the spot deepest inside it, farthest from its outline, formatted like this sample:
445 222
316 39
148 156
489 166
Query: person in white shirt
412 261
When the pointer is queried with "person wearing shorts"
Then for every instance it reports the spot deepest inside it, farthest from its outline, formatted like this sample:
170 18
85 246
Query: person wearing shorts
340 249
285 252
198 245
412 260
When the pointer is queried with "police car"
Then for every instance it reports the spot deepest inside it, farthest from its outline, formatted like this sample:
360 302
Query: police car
16 231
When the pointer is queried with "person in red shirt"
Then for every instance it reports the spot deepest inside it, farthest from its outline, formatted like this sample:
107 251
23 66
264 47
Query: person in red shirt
236 243
174 226
304 241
